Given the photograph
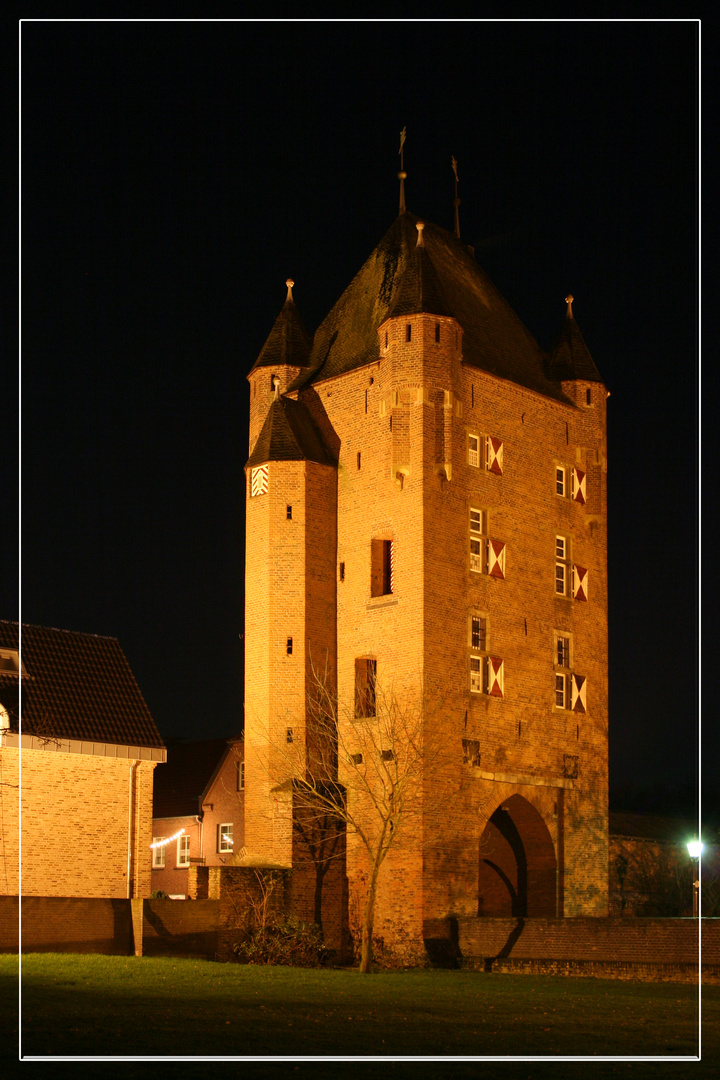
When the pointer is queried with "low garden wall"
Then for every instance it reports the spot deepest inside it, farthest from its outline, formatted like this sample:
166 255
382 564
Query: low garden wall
67 924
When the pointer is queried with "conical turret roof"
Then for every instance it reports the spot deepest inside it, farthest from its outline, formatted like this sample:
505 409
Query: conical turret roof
570 357
419 290
289 434
288 342
494 338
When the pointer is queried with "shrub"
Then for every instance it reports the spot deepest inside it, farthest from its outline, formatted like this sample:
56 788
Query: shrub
159 894
283 940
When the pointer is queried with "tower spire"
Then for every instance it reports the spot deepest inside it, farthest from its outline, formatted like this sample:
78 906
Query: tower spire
569 301
456 201
402 175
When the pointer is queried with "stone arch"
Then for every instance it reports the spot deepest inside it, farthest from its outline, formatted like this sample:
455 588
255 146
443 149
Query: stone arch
518 867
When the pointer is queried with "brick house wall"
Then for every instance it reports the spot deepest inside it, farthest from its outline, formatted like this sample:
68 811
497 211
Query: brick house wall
82 815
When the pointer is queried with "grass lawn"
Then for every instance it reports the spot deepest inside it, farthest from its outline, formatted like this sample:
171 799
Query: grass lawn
112 1005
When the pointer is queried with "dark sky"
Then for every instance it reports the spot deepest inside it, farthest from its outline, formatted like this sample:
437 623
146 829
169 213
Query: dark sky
173 176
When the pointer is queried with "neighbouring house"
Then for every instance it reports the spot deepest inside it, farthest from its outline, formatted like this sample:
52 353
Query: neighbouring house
198 810
650 870
78 741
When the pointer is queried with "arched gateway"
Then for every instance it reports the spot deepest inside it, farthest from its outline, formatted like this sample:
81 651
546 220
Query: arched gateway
518 866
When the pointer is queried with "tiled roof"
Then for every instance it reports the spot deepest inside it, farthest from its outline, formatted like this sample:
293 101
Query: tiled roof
652 827
76 686
289 434
494 338
288 342
419 289
570 357
180 782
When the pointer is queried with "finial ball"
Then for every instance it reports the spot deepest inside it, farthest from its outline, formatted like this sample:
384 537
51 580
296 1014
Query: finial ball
569 298
402 175
289 283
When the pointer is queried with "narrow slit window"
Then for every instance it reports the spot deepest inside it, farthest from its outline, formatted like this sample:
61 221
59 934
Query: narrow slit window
240 775
408 332
358 459
366 394
365 682
437 331
588 396
382 567
289 736
386 339
342 571
288 513
289 646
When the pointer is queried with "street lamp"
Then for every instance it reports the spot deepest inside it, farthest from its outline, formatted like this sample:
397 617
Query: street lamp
695 848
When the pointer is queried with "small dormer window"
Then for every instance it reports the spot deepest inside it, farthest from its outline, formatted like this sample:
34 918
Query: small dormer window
10 662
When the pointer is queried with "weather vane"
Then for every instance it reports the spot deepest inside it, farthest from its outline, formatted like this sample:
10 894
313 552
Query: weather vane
402 174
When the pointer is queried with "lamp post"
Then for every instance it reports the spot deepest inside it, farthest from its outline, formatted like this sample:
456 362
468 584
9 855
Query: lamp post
695 848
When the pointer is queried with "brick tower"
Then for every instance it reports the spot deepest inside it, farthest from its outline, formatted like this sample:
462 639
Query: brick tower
426 511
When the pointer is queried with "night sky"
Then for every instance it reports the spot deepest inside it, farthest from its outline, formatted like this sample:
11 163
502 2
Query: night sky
175 174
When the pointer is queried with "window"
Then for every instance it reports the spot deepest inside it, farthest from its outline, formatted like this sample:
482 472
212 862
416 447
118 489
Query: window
408 332
387 755
471 752
561 691
259 481
342 571
382 567
588 396
289 735
562 651
386 339
493 455
365 682
476 674
579 486
474 450
357 759
183 850
477 543
158 853
562 555
240 775
437 331
225 836
570 688
289 646
478 632
9 661
358 459
560 480
288 513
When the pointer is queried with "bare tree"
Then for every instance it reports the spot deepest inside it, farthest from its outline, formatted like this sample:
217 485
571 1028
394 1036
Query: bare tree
361 770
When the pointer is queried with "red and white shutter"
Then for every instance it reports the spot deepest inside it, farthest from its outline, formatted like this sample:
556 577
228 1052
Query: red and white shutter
392 565
494 455
259 480
495 678
579 488
496 558
580 582
579 693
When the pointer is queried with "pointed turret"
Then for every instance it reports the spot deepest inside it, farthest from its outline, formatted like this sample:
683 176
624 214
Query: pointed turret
419 290
570 358
289 434
288 342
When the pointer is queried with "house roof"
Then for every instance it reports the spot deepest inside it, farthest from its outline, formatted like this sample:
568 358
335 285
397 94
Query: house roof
570 357
494 338
289 434
76 686
182 781
288 342
652 827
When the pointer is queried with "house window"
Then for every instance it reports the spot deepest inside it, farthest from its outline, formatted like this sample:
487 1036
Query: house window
158 853
240 775
478 627
474 450
259 481
493 455
365 684
477 543
471 752
183 850
225 836
476 674
561 691
562 569
382 567
560 480
562 651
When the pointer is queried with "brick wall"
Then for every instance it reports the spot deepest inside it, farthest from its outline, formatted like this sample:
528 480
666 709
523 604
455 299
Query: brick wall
177 928
78 812
67 924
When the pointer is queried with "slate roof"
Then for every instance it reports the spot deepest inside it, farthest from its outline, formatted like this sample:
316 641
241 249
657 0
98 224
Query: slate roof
180 783
289 434
419 290
570 357
288 342
76 686
652 827
494 340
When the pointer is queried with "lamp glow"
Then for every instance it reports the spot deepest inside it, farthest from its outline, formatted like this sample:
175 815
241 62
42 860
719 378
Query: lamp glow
167 840
695 848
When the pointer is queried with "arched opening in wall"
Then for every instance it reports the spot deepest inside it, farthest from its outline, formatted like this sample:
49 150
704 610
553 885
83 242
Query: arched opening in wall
518 867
